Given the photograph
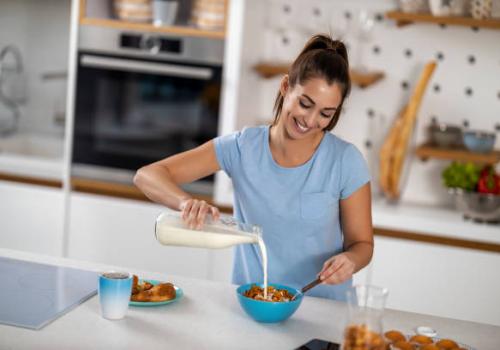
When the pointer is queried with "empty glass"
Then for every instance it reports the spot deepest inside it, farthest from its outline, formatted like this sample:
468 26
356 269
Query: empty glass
364 330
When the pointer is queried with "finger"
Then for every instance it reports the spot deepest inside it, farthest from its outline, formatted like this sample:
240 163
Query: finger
186 209
202 213
215 213
193 214
335 265
340 276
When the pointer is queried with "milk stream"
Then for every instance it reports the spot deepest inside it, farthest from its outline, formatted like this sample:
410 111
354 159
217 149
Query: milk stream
263 253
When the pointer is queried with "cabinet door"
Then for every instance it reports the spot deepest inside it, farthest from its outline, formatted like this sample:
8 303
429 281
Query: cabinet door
31 217
439 280
121 232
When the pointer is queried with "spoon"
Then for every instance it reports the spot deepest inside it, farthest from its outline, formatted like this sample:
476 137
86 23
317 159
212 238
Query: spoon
307 287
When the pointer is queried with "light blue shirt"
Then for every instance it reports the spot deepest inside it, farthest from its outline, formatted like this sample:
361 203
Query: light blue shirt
297 208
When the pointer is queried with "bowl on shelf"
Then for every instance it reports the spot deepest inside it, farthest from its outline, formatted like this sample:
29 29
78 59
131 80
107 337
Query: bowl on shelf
445 135
479 141
484 207
268 311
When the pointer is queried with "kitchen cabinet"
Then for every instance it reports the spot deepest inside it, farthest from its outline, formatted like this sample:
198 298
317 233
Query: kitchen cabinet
121 232
437 280
31 217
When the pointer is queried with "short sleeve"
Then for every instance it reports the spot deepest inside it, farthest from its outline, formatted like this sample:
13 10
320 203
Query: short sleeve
354 173
227 151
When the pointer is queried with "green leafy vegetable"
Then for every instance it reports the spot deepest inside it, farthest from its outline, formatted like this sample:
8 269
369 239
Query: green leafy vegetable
461 175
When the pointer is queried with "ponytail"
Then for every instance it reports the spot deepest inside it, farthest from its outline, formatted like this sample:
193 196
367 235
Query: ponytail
321 57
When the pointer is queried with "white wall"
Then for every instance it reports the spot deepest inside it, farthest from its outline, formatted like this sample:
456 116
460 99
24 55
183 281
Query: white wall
40 28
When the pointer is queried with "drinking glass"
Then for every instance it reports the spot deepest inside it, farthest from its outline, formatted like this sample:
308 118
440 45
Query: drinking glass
364 330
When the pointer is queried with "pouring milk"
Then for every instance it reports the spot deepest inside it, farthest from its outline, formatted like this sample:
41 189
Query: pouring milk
170 229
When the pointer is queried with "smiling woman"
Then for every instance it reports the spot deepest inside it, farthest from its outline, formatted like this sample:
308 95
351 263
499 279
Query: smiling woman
307 189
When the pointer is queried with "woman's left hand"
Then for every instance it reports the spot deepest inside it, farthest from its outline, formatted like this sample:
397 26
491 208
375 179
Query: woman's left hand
337 269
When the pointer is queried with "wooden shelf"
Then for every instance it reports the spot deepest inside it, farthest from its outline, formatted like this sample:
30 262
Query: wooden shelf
148 27
270 70
427 151
403 19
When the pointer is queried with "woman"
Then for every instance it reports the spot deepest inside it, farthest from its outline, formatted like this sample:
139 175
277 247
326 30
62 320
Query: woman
308 189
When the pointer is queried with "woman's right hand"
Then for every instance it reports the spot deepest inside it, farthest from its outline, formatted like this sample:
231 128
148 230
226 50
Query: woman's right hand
194 212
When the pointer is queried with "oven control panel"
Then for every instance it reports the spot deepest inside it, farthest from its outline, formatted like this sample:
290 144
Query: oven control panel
152 43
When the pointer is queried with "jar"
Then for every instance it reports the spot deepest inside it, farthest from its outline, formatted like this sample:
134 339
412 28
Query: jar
364 330
481 9
449 7
414 6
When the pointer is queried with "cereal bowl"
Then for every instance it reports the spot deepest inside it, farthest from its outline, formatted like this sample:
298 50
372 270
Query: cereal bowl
268 311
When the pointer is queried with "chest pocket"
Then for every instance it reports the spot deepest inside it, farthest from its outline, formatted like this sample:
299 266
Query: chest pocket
316 205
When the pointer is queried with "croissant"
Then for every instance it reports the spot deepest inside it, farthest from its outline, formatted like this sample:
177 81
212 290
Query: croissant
160 292
140 287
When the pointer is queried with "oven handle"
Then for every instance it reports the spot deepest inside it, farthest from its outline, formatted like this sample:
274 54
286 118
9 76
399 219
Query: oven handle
146 67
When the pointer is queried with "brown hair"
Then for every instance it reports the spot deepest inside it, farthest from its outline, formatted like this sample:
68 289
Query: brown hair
321 57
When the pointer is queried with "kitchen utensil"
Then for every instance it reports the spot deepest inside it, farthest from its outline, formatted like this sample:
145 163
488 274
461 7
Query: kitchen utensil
449 7
366 305
477 206
307 287
445 135
479 141
170 229
395 148
268 311
413 6
165 12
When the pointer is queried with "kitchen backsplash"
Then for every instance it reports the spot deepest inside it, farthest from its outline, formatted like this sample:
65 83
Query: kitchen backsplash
464 90
40 29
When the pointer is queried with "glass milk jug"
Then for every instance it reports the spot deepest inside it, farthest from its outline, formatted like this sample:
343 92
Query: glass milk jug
170 229
364 330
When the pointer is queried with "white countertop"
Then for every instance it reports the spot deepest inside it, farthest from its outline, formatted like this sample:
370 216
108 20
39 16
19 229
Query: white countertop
432 220
209 317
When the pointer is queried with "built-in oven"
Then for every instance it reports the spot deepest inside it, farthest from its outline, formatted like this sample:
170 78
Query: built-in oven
141 97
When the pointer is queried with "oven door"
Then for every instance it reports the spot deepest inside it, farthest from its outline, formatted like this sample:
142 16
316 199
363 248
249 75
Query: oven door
131 112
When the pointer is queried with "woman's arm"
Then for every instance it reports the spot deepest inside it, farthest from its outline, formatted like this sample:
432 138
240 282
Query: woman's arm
160 181
356 220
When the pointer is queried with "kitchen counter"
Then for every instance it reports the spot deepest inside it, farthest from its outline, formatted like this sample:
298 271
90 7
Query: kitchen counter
209 317
431 220
33 156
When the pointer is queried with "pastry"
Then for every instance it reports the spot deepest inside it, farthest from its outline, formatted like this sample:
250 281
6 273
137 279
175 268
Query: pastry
447 344
403 345
421 339
160 292
394 336
140 287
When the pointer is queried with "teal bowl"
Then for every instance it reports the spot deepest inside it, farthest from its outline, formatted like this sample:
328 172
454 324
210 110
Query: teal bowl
268 311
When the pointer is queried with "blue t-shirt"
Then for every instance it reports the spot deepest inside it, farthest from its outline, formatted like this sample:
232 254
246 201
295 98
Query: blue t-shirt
297 208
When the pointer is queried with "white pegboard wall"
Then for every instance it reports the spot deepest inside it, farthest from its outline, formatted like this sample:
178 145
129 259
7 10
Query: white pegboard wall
464 90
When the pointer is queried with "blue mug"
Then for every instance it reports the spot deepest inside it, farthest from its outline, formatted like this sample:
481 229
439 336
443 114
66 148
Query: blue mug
114 290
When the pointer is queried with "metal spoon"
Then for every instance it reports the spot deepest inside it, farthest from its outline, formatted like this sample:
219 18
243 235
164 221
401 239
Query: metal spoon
307 287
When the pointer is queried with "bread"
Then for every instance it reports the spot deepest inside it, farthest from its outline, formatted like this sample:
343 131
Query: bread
160 292
140 287
421 339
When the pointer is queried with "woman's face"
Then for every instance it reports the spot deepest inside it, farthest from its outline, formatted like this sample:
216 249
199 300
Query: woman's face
308 109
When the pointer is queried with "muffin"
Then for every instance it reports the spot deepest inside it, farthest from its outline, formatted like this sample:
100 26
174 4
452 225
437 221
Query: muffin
447 344
394 336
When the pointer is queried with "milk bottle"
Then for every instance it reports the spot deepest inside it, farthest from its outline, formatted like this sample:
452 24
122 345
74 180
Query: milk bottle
170 229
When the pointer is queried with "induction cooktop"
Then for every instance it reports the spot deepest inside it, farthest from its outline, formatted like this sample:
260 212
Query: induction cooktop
32 294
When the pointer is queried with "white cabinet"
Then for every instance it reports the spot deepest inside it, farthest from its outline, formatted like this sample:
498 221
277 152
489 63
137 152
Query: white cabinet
439 280
31 218
121 232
